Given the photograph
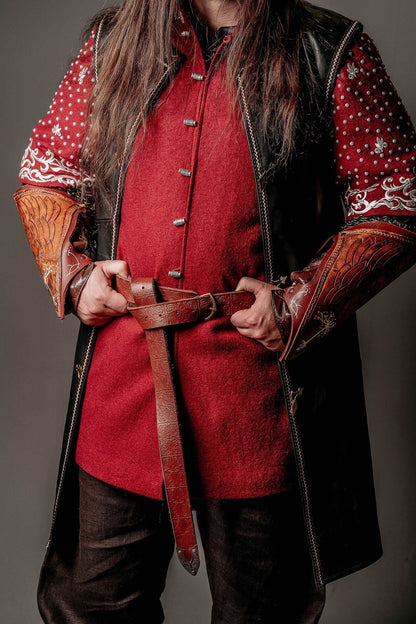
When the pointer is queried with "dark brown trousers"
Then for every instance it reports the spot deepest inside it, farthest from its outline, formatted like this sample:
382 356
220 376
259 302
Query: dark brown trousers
257 561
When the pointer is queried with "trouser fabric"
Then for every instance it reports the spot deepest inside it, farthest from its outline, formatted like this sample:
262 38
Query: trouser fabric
257 559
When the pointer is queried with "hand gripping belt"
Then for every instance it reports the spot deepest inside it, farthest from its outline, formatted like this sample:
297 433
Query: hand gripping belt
157 308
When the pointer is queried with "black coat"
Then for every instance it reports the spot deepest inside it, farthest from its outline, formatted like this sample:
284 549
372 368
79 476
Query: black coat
299 209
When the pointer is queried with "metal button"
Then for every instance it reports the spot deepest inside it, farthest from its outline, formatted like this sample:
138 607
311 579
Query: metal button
197 76
190 122
179 222
185 172
186 33
176 274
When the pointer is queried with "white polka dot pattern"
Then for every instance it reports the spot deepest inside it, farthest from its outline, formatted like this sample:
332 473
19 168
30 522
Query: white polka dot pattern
51 158
374 139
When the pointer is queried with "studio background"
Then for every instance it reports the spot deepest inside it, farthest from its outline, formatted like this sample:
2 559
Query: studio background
38 40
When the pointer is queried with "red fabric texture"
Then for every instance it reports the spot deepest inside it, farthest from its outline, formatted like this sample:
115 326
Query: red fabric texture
375 141
51 158
239 442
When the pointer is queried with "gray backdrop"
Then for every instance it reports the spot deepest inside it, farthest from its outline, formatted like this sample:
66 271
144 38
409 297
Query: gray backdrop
38 38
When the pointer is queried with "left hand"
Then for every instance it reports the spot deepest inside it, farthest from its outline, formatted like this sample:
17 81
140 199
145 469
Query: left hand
258 322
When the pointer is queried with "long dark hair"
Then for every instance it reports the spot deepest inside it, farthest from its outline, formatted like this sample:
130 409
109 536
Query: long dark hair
265 51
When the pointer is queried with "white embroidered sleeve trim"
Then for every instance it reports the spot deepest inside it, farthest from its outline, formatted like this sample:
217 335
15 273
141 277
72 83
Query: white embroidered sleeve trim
45 167
397 196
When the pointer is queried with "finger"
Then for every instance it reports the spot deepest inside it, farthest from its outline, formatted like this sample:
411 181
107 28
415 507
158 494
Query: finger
249 316
240 319
94 321
250 284
244 331
272 343
112 267
115 303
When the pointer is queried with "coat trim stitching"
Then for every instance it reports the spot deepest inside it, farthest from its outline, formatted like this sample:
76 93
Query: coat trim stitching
300 466
333 68
97 43
266 231
264 206
72 427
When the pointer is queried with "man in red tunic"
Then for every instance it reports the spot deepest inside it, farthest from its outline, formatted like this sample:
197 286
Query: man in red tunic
192 208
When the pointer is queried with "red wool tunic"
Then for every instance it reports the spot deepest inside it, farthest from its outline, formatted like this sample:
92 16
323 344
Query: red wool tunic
202 175
235 425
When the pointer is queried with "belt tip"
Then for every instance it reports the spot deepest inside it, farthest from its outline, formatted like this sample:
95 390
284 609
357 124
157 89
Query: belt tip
189 558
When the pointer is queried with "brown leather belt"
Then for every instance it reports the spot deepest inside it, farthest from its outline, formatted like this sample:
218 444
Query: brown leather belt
156 308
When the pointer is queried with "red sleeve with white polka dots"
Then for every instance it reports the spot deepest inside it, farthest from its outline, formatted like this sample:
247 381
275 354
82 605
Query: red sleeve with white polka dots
51 158
375 141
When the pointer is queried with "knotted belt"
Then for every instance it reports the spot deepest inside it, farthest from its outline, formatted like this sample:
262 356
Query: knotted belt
156 308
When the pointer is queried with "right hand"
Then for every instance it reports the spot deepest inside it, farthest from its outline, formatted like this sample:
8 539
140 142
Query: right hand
98 302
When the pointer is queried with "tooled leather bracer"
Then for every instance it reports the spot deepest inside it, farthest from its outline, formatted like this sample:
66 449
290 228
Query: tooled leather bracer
360 262
50 218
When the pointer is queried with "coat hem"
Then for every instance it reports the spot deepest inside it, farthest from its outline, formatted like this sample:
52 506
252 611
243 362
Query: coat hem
354 568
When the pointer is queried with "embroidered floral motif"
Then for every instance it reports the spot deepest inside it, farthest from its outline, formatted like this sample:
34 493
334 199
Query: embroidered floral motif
353 71
74 266
56 130
401 196
328 321
46 167
294 396
48 271
82 75
295 304
381 145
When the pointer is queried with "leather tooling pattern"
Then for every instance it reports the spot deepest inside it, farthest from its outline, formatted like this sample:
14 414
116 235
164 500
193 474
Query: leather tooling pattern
361 261
49 217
